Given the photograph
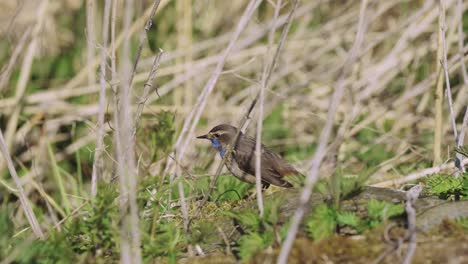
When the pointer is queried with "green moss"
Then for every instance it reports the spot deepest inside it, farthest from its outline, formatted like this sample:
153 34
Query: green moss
96 231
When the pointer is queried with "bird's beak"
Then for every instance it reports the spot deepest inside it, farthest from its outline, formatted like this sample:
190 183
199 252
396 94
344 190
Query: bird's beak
204 136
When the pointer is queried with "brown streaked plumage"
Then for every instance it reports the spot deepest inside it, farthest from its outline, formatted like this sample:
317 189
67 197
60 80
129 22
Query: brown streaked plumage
242 161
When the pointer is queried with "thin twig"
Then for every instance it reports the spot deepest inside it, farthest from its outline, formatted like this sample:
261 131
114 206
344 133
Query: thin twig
72 213
439 93
460 42
393 245
98 161
258 145
91 41
7 69
411 197
182 167
143 37
464 74
23 199
183 203
147 90
443 62
419 174
24 76
323 140
137 24
130 228
225 239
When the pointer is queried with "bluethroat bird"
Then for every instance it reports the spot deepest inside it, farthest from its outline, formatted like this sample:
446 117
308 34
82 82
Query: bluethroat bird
241 162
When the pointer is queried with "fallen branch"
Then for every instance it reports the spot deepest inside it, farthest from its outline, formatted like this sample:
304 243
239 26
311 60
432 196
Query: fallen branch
418 175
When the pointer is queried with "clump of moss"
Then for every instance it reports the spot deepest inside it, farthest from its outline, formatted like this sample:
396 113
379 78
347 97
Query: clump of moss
95 231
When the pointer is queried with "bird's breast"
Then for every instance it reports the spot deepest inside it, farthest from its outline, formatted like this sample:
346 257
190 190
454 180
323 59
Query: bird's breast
234 168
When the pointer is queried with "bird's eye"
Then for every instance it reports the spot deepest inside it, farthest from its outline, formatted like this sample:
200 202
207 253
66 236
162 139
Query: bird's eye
216 135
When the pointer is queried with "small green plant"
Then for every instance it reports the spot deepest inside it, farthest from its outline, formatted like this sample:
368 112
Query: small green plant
325 219
96 231
93 234
229 188
448 186
55 249
380 211
167 241
6 211
463 222
162 133
258 233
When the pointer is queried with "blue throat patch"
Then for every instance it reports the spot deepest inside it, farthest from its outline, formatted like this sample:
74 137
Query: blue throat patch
218 147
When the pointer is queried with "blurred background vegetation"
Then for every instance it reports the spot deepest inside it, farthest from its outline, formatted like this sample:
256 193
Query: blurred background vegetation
49 92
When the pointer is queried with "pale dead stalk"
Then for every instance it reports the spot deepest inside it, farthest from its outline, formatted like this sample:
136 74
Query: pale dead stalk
91 41
98 159
439 94
463 72
143 37
419 174
19 186
323 140
258 145
443 61
130 227
147 90
460 42
24 77
7 69
139 23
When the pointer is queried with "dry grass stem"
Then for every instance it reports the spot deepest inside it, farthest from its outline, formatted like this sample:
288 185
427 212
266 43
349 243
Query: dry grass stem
130 227
7 69
137 25
143 37
439 93
323 140
19 186
147 90
91 42
258 146
419 174
443 61
24 77
463 71
98 159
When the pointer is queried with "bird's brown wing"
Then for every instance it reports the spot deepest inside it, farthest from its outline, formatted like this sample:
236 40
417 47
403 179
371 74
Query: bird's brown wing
274 167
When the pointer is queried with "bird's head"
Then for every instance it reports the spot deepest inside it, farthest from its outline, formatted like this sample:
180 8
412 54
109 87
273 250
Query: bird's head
221 136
